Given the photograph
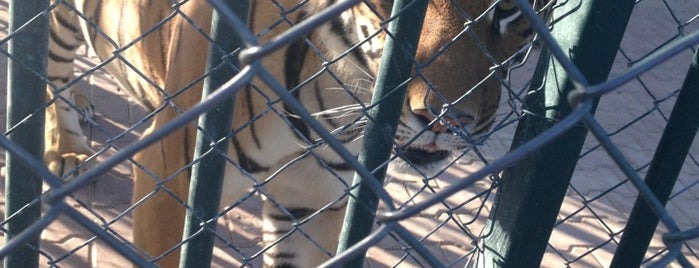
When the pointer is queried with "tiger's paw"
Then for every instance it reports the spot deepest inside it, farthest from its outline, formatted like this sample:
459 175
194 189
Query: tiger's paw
85 107
67 166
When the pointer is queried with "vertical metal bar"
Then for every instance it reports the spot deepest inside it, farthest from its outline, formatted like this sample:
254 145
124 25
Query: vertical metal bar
26 96
663 171
390 88
533 190
207 175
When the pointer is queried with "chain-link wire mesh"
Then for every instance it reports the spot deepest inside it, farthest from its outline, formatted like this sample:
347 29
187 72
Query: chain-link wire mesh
446 214
635 115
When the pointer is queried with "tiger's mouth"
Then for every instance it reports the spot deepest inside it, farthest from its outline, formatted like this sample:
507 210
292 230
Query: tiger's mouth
424 154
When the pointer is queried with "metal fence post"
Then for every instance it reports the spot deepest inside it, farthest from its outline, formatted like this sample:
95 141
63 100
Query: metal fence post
663 171
389 90
26 98
532 191
208 173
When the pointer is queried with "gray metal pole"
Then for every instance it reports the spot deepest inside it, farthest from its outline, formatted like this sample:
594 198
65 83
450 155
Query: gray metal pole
26 97
396 66
663 171
207 175
532 191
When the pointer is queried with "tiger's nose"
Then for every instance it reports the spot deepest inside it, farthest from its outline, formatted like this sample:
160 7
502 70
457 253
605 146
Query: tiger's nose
440 126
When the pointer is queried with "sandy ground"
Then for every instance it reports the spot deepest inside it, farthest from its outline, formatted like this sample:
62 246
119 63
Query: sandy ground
591 219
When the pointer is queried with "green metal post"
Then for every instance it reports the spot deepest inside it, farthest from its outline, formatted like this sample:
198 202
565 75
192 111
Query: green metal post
207 175
663 171
389 90
533 190
26 96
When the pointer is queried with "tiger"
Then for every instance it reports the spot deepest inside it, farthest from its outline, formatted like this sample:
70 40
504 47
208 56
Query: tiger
158 55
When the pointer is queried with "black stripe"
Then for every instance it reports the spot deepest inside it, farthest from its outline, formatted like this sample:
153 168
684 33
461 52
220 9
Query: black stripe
67 24
293 64
246 162
321 103
334 124
299 214
303 132
294 58
136 90
349 135
142 97
501 12
281 255
57 58
63 165
295 213
64 80
149 105
56 38
482 129
343 166
283 265
251 116
187 154
338 28
97 14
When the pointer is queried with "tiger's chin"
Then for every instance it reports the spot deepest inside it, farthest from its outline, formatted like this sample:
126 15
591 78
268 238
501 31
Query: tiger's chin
420 161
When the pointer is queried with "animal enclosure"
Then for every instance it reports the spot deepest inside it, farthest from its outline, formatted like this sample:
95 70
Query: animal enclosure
557 179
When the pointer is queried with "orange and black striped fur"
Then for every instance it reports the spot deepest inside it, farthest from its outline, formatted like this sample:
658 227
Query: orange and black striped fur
155 53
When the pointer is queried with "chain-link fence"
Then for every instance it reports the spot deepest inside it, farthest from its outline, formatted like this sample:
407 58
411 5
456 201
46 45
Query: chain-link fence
471 213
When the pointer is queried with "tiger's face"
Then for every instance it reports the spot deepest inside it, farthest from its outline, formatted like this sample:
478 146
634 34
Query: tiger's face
455 88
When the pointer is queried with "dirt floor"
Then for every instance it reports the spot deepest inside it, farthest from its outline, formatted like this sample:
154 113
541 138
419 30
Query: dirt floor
591 219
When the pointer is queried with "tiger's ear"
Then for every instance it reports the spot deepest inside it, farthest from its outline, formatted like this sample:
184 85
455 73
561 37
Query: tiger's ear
512 30
504 13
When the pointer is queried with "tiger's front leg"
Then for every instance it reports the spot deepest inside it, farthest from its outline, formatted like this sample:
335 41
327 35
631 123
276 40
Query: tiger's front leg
302 214
159 190
66 147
